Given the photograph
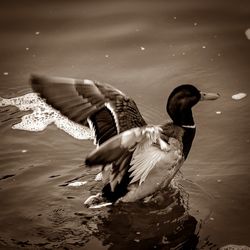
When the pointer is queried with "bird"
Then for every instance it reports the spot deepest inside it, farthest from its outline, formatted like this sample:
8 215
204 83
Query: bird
137 159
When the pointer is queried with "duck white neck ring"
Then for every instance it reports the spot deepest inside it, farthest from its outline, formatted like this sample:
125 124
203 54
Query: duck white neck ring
188 126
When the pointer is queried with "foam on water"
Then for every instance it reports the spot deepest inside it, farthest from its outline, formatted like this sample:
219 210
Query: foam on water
43 115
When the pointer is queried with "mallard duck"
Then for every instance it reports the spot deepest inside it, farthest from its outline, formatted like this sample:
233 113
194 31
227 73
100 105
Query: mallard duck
137 159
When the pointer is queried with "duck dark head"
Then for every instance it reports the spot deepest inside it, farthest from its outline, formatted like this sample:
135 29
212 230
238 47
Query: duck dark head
179 108
181 101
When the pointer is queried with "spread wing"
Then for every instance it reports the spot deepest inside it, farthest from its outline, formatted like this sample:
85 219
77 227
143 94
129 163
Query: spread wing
104 108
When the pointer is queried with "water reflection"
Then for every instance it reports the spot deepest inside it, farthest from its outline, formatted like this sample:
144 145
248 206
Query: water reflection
162 223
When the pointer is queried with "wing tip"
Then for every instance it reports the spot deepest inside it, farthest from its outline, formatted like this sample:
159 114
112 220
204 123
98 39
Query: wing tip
36 81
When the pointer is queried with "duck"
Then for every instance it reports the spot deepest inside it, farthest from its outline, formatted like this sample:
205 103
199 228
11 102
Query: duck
137 159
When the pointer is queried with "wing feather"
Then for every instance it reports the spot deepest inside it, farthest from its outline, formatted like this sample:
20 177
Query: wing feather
156 172
109 110
144 162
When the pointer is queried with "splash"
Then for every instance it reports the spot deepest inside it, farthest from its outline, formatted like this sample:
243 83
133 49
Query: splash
43 115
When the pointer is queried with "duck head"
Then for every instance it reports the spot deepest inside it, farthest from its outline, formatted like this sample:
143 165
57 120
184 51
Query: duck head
181 101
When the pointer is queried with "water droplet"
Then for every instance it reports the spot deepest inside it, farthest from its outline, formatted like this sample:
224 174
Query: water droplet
5 73
142 48
218 112
37 33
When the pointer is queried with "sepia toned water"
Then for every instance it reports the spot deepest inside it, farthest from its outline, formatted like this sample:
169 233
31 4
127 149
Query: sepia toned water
145 48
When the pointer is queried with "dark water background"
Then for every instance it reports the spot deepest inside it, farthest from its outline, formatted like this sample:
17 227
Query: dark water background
145 48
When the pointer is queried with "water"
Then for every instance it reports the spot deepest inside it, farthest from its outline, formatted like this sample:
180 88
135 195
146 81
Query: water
145 48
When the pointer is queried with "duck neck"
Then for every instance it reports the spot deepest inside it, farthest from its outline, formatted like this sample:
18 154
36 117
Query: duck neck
187 140
184 119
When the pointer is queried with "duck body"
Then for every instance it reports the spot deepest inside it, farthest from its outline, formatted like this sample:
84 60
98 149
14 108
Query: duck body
137 159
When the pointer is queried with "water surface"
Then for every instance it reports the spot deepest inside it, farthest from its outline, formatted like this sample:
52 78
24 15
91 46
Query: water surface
145 48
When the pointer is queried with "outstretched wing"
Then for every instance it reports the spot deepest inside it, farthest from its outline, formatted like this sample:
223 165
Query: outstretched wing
106 109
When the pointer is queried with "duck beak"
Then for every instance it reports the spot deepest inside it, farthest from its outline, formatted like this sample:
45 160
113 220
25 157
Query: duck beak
209 96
